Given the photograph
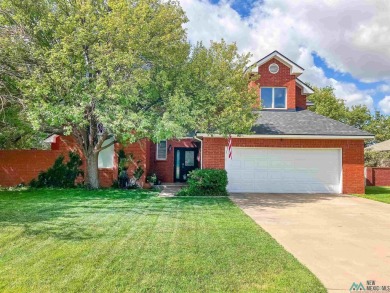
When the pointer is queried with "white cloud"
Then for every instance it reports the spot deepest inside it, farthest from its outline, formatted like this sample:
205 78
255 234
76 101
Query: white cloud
384 88
351 36
384 105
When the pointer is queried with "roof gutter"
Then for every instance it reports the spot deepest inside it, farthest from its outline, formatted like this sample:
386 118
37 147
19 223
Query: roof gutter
286 136
201 151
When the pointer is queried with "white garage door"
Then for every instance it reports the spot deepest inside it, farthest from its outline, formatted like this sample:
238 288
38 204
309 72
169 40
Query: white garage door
273 170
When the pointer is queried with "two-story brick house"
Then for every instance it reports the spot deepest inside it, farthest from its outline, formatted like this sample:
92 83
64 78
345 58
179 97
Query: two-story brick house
291 149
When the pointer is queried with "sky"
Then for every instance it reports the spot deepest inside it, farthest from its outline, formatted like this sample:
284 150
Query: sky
343 44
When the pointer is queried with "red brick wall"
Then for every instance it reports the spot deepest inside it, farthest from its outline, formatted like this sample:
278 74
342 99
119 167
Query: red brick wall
141 153
17 166
377 176
21 166
369 176
352 155
164 169
301 99
281 79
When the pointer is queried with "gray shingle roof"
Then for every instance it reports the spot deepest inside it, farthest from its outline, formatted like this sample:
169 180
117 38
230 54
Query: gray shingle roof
305 122
380 147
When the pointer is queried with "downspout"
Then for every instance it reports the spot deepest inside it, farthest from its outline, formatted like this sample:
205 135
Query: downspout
201 151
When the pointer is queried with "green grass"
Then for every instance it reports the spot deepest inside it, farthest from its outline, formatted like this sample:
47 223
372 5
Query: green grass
378 193
134 241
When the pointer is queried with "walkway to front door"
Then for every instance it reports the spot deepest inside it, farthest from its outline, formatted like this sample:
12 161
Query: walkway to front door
186 160
342 239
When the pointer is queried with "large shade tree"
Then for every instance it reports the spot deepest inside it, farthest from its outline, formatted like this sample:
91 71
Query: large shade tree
15 130
123 64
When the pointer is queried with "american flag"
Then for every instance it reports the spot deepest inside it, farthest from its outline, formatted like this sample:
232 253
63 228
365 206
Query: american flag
230 152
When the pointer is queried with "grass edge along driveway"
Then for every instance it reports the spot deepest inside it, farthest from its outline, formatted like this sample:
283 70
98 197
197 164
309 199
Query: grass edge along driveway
377 193
133 241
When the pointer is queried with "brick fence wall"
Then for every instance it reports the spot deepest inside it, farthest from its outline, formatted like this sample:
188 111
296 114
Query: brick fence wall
377 176
21 166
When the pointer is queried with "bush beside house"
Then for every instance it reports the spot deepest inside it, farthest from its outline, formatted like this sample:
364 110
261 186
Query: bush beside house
60 174
206 182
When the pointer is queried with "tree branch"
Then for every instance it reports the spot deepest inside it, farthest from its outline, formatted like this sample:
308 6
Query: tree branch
106 146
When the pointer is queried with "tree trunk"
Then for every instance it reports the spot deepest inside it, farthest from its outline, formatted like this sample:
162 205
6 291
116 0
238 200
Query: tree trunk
92 170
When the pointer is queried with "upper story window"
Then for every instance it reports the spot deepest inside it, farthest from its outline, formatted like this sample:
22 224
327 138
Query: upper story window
273 97
273 68
161 151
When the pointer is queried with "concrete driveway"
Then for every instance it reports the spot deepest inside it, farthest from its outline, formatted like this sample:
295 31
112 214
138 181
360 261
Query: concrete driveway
342 239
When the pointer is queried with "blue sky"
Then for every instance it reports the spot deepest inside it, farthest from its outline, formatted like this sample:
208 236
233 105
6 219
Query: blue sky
343 44
348 78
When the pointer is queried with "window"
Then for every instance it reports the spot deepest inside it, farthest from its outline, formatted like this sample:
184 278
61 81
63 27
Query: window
273 97
189 160
161 152
273 68
106 156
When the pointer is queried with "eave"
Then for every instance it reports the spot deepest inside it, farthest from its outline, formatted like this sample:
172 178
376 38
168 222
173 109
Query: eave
289 136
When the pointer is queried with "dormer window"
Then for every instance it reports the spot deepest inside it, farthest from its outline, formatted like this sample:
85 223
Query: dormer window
273 97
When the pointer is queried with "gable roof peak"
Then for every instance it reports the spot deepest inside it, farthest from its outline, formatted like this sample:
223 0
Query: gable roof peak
295 69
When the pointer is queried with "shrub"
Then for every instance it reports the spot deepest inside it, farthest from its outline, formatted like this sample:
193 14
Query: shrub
206 182
152 178
60 174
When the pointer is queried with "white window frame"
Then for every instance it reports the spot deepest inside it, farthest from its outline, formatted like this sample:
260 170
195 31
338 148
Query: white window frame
166 151
106 156
273 96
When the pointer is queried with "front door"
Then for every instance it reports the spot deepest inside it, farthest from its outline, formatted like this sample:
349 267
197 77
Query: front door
186 160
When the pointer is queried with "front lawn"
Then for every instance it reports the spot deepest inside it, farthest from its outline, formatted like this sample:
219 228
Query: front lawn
378 193
110 240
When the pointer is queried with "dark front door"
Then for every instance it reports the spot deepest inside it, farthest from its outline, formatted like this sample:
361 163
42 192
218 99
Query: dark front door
186 160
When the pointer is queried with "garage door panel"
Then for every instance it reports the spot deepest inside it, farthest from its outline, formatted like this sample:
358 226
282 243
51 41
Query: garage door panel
250 164
284 170
247 175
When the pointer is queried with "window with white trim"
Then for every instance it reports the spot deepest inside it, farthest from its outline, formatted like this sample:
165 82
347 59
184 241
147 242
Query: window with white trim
161 150
106 156
273 97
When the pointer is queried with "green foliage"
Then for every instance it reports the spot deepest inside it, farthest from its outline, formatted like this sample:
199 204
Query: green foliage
126 64
213 93
15 131
377 159
327 104
96 62
380 126
121 154
138 172
116 69
152 178
206 182
60 174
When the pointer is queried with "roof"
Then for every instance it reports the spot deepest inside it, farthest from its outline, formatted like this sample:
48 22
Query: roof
294 68
306 90
380 147
51 138
304 122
